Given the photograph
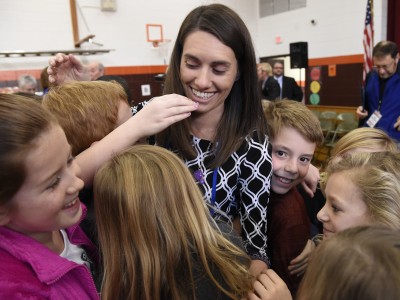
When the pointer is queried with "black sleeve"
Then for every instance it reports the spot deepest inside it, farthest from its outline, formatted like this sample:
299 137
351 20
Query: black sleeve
273 89
297 92
364 101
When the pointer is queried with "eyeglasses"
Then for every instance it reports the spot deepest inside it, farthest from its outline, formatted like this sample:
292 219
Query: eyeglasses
384 67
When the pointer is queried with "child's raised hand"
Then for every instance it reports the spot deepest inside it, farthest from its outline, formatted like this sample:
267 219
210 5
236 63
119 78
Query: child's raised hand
269 286
164 111
64 68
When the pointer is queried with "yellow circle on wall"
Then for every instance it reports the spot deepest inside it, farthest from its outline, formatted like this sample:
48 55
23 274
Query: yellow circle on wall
315 86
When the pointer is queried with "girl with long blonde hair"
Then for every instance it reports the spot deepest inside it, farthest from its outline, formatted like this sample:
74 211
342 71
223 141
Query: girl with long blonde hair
157 237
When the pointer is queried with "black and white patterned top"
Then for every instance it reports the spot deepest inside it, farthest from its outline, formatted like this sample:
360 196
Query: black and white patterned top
242 188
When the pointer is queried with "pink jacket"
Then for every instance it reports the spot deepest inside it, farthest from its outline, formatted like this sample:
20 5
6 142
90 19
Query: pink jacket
30 270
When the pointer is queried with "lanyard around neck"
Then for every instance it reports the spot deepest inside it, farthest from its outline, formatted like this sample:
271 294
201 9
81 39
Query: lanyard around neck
214 190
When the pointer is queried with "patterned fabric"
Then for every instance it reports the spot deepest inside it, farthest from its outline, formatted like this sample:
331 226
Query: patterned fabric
243 185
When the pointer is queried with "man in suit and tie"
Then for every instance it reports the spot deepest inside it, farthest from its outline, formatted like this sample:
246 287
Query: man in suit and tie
289 88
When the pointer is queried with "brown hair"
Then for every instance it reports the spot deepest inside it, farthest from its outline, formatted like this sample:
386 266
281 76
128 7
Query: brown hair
384 48
242 108
22 122
86 110
293 114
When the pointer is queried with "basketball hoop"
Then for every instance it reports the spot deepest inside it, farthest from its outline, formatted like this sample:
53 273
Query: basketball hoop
162 47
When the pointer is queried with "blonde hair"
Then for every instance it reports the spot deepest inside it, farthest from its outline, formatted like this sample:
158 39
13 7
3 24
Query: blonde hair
377 176
360 263
155 231
86 110
293 114
365 137
266 67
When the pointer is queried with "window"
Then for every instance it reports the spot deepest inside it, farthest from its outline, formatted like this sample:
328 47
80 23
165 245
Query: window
273 7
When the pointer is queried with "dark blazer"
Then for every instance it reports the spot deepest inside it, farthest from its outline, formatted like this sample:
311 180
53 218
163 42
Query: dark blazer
290 89
271 90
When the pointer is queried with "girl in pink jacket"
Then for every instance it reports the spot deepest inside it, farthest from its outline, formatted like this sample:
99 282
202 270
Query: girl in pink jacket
43 252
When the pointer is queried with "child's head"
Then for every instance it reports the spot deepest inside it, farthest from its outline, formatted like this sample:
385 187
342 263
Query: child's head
294 132
362 189
363 139
87 110
39 183
361 263
154 222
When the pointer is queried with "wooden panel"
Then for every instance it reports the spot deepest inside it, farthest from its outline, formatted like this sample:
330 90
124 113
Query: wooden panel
135 82
343 89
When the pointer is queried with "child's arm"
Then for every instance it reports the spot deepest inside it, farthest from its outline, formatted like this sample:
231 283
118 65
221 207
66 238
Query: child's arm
153 118
299 264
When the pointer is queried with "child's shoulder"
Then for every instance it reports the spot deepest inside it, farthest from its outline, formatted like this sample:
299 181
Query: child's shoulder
18 280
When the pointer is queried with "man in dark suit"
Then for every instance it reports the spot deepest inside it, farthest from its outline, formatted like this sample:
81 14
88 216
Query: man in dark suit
269 86
289 88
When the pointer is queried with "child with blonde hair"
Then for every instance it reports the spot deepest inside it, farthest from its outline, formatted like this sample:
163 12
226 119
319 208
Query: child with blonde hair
157 237
359 263
363 139
363 188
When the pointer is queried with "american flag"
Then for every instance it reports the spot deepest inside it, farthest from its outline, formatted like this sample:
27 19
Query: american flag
368 40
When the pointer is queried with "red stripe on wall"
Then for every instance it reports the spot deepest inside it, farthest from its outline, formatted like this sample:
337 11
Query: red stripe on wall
336 60
128 70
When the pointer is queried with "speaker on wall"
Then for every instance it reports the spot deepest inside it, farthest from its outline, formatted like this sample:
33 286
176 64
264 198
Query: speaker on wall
298 55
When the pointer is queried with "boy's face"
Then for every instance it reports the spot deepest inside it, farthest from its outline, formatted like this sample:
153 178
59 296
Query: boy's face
291 157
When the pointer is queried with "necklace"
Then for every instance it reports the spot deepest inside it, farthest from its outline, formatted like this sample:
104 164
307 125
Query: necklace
198 174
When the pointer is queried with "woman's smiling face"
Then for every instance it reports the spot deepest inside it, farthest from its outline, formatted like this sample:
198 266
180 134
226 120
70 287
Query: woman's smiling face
208 71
